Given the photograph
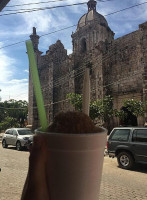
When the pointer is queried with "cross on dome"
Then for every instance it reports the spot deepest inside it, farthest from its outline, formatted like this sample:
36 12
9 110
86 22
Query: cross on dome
91 5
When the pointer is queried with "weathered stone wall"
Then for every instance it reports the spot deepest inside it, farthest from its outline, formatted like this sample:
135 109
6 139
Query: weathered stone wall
118 68
57 80
88 37
46 80
143 43
122 68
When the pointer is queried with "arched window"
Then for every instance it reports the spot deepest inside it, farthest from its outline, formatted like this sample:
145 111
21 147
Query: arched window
83 45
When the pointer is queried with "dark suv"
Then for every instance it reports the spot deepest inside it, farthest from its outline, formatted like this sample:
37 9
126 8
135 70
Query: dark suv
129 145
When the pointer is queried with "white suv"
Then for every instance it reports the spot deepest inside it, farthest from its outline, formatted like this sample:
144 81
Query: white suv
18 137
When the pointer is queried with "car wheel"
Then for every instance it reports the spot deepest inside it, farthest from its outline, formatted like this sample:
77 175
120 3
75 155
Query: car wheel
4 144
18 146
125 160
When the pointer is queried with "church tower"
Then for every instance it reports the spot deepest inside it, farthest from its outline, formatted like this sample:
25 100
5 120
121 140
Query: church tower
91 29
35 39
32 110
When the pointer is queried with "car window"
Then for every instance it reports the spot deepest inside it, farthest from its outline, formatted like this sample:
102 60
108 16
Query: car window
14 132
25 132
120 135
140 135
9 132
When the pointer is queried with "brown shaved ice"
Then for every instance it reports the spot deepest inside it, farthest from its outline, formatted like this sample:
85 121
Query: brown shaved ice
72 122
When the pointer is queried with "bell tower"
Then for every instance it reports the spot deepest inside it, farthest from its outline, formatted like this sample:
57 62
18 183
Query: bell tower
92 28
91 5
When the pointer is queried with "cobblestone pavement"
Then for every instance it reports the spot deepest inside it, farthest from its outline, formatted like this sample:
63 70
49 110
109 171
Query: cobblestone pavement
117 184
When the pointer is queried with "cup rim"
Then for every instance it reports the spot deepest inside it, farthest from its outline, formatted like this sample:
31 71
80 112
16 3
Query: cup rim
104 130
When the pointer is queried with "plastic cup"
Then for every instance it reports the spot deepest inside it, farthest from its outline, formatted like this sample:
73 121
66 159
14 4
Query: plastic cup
75 164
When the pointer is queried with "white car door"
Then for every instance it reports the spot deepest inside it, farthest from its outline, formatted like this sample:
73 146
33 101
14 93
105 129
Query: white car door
9 137
14 138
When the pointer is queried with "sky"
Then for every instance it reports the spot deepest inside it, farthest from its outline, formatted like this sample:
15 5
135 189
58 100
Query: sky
14 28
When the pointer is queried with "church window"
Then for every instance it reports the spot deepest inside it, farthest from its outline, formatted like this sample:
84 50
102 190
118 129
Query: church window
83 45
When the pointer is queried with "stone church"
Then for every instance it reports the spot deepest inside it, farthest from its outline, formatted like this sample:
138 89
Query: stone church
118 67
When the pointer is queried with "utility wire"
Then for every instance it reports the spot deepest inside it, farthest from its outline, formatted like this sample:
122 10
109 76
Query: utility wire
45 8
64 100
62 6
12 108
80 71
39 36
103 86
126 8
67 100
36 3
71 26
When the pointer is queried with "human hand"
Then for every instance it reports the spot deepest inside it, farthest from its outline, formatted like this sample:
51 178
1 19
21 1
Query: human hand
35 187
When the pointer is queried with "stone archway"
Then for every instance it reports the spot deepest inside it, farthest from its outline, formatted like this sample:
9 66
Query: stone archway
83 45
129 119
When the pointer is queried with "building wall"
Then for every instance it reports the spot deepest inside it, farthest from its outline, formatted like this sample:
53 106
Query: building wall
123 69
91 35
117 68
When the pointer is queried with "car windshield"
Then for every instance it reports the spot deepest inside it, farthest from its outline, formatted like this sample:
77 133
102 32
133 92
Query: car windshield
25 132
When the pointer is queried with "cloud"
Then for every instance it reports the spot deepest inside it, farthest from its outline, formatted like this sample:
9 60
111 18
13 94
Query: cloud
126 21
17 81
17 91
27 71
6 65
69 51
10 87
43 20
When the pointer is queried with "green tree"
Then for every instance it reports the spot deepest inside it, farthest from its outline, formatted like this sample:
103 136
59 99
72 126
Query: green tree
75 100
13 113
136 107
101 109
121 114
8 122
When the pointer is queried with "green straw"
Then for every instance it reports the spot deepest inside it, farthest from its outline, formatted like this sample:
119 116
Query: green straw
37 86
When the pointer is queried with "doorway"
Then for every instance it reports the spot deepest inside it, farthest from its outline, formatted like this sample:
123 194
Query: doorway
129 119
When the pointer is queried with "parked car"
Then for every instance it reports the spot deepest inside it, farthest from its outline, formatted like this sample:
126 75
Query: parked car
19 137
129 145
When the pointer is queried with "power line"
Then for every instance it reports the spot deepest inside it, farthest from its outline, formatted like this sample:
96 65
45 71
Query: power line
67 100
39 36
62 6
80 70
36 3
61 80
45 8
12 108
71 26
138 72
127 8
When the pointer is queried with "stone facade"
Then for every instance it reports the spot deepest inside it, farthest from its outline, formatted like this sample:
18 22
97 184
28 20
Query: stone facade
117 67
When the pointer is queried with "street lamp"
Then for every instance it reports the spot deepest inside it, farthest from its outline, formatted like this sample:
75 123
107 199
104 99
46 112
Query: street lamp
3 3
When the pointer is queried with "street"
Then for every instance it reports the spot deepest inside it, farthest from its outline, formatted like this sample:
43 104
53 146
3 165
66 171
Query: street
117 184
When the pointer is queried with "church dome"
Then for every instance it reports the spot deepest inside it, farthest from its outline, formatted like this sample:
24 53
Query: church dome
92 16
